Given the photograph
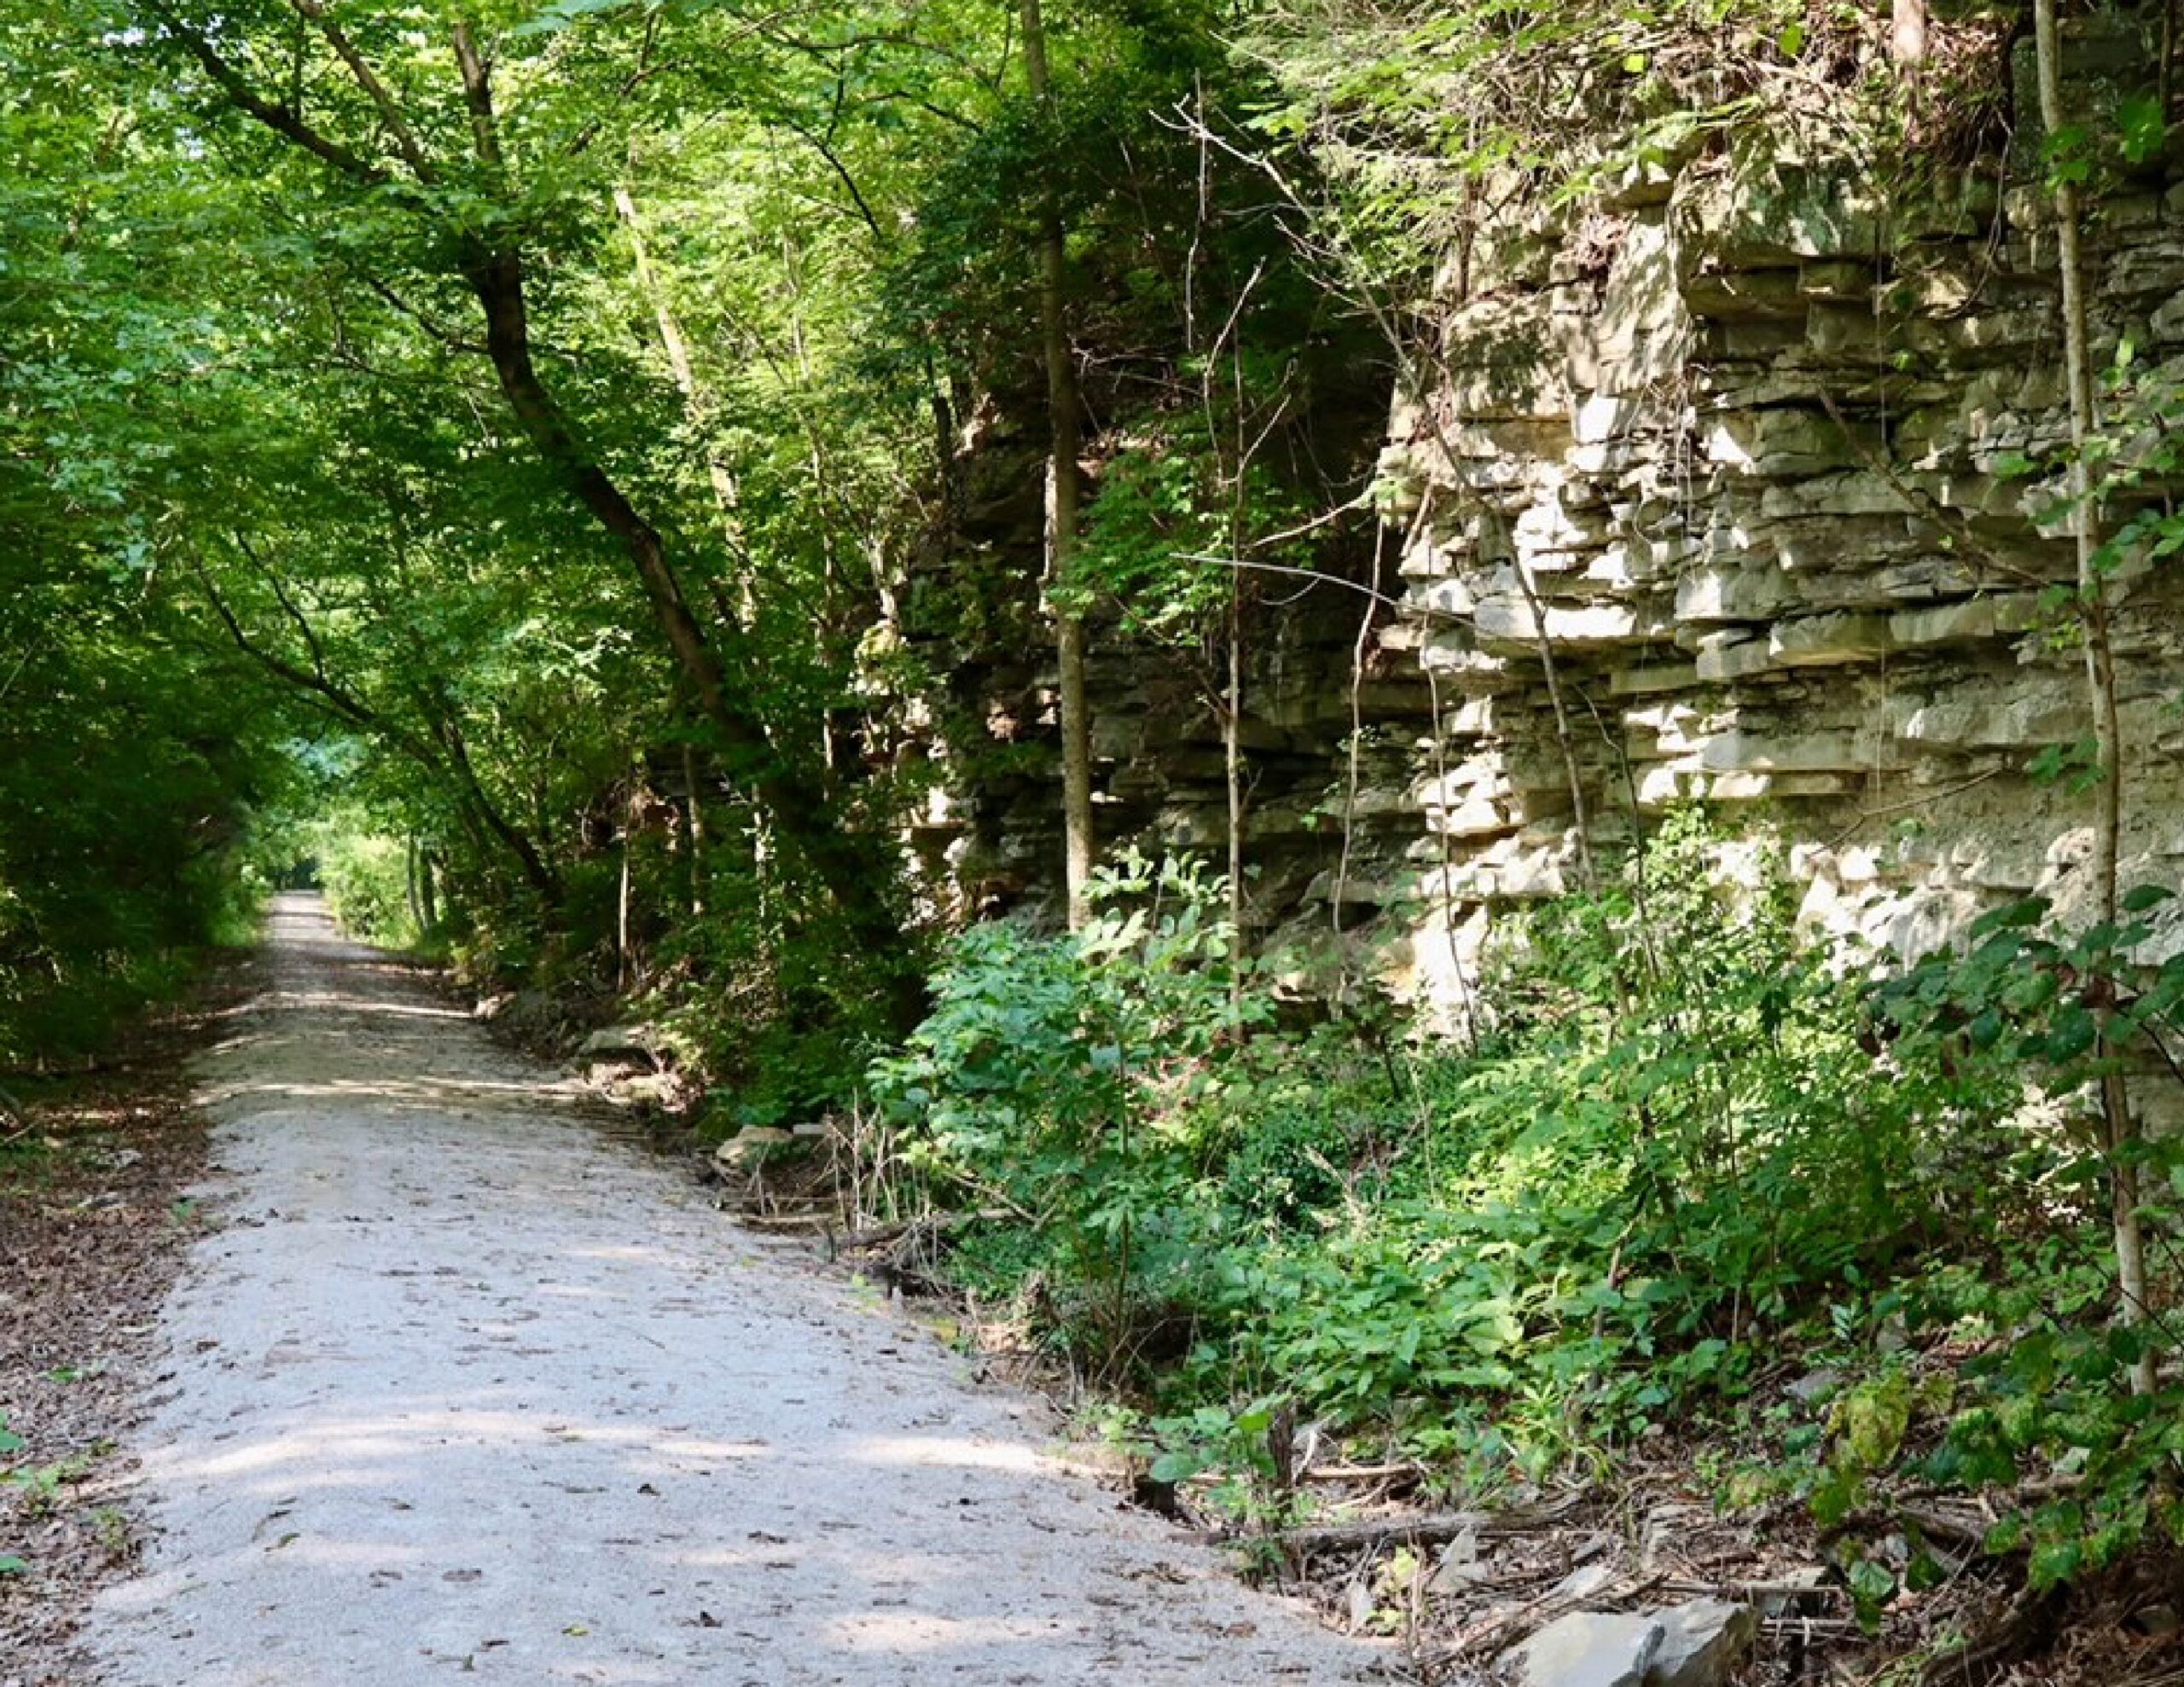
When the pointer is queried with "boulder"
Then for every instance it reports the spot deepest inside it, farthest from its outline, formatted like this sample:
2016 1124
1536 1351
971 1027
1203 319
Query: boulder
1701 1642
1587 1649
623 1042
752 1147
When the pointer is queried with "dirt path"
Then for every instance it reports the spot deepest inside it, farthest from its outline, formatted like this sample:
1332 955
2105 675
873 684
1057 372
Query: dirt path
464 1388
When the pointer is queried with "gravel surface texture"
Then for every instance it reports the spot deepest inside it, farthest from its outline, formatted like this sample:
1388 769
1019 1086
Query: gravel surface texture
461 1386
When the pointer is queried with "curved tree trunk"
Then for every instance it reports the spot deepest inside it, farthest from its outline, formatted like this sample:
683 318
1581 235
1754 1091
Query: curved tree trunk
857 873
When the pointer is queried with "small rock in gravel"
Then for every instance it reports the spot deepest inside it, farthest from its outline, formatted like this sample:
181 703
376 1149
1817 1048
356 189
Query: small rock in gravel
1583 1583
613 1041
1815 1386
752 1146
1460 1568
1587 1649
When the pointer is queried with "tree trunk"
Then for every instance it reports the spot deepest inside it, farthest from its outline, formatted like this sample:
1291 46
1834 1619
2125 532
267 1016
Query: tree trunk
856 872
1906 36
624 970
693 825
1063 491
677 348
2165 85
456 751
1232 756
2104 868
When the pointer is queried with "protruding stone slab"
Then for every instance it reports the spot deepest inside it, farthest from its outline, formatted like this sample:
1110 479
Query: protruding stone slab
1740 750
1509 621
1587 1649
1828 641
1701 1642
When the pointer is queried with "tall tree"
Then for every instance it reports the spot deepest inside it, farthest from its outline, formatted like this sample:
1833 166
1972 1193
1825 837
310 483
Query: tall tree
2103 868
483 229
1064 496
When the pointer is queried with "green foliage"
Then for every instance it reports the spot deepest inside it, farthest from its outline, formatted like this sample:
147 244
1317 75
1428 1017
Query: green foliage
1068 1075
126 783
2065 1004
367 878
1668 1153
2060 1004
285 577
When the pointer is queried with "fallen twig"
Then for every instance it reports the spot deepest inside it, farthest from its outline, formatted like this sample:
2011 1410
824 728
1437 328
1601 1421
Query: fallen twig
1361 1473
1422 1529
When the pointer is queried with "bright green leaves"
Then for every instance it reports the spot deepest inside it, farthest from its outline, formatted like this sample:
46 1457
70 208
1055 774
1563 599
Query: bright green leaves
2069 152
125 779
2126 134
560 15
2141 127
2064 1003
1062 1072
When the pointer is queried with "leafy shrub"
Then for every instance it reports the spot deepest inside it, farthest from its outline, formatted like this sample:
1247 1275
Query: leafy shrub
1068 1075
1680 1145
2063 1009
367 886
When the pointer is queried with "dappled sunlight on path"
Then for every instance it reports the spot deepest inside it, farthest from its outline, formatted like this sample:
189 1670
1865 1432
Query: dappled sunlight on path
461 1386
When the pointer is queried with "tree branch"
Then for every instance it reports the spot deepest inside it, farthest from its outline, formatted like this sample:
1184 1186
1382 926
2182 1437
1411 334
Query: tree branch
344 704
477 95
405 138
446 336
279 118
288 605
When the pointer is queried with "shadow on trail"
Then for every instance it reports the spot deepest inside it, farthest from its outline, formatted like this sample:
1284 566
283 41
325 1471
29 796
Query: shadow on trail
464 1387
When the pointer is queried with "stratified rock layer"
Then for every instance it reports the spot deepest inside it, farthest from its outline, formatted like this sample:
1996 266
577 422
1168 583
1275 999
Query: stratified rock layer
1731 466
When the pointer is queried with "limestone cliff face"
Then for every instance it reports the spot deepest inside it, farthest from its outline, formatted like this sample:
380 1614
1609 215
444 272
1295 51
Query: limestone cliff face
1719 466
989 835
1729 457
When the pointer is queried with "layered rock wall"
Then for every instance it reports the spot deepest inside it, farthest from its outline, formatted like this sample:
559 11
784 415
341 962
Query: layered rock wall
1725 466
1707 494
989 836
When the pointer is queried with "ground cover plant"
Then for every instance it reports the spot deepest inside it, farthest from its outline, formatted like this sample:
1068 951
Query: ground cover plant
1841 1222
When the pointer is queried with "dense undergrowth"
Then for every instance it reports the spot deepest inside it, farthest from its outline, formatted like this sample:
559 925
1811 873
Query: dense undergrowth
1691 1161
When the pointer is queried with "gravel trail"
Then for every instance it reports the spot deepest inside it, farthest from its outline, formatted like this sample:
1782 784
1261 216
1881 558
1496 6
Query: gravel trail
461 1386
